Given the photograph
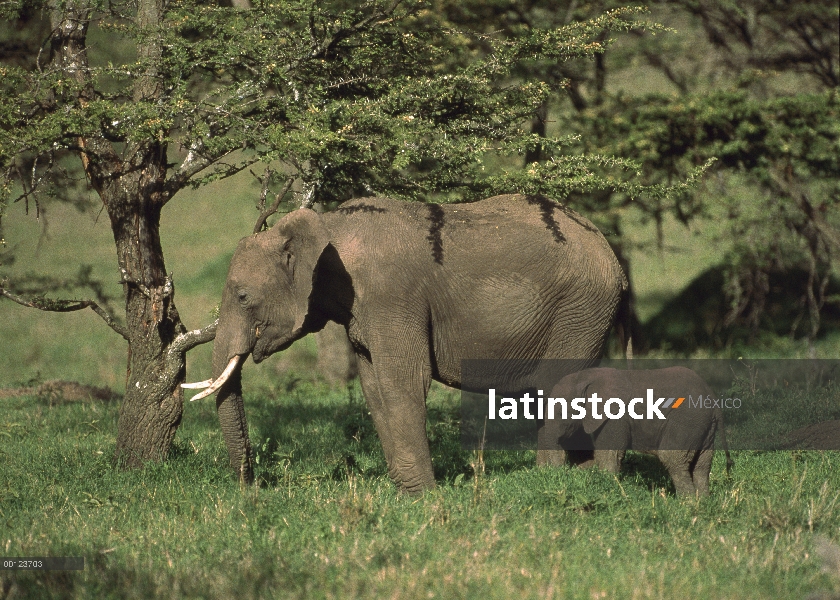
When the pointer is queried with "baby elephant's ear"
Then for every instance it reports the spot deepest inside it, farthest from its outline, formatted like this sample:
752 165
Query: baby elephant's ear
301 239
591 424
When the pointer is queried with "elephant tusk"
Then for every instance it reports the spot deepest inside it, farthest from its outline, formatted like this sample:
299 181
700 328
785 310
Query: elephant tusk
197 385
220 381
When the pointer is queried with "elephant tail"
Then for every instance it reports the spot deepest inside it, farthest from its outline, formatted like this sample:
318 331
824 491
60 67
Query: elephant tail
624 321
729 462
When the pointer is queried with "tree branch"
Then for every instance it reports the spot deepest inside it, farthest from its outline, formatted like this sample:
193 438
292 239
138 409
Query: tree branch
788 185
175 359
68 40
190 339
66 306
193 166
329 41
267 212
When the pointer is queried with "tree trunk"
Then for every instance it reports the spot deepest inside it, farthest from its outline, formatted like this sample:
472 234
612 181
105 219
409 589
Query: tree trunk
151 410
154 401
131 186
627 322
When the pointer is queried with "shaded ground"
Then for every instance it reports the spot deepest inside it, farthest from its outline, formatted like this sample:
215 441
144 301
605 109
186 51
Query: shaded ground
697 316
58 391
819 436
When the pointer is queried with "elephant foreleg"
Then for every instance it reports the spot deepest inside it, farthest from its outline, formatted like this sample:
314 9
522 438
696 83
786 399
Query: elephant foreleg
609 460
548 454
376 406
610 444
395 390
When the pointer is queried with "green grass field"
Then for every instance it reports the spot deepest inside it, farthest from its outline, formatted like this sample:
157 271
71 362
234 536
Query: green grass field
325 521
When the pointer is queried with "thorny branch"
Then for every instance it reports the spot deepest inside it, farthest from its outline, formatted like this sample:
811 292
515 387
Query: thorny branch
186 341
267 212
329 41
126 278
47 305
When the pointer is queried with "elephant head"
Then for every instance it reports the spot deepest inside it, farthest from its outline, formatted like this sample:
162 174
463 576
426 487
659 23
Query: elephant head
265 304
573 433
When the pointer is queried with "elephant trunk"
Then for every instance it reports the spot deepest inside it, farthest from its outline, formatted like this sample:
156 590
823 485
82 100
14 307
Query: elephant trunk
231 412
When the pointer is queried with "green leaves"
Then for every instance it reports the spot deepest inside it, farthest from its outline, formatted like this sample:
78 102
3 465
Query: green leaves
352 100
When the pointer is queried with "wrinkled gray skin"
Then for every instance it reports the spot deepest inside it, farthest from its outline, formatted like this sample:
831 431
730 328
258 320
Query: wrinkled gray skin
418 287
683 442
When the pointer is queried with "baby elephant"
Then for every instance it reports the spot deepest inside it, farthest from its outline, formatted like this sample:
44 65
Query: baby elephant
659 411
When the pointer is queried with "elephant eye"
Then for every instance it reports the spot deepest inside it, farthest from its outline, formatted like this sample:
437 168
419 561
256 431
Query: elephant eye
243 296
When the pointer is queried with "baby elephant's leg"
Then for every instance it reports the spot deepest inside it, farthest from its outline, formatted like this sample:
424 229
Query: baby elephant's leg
701 470
678 463
609 460
611 443
551 458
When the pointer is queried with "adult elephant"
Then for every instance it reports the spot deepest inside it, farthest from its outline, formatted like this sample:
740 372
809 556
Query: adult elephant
419 287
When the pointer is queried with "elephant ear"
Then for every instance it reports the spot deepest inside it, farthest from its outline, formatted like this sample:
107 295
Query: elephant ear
302 238
591 424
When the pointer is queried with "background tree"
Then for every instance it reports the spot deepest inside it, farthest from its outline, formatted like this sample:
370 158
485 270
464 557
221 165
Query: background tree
754 86
336 99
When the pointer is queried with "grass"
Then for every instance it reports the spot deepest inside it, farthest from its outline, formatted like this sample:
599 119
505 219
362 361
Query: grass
326 522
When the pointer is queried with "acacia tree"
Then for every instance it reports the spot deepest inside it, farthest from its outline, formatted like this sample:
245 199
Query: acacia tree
336 99
755 86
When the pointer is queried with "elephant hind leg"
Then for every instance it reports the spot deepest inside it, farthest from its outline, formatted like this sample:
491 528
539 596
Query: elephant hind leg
701 469
678 464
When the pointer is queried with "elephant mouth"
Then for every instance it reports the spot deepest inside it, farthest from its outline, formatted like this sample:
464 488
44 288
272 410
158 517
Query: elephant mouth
264 350
213 386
